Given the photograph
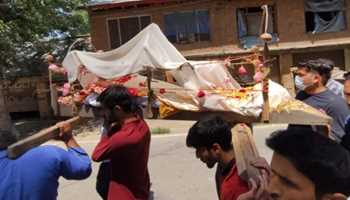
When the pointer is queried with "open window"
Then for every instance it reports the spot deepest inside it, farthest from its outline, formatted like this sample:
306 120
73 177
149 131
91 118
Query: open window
249 23
325 16
122 30
187 27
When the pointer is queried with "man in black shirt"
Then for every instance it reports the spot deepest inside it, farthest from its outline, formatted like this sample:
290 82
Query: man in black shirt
311 80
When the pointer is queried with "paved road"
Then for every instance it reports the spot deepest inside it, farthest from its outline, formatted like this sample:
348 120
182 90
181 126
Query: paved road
175 172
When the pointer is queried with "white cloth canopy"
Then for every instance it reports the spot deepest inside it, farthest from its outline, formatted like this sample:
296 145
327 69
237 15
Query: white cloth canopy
151 48
148 48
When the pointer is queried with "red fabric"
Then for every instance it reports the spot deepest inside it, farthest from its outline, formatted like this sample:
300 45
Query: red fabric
231 186
128 151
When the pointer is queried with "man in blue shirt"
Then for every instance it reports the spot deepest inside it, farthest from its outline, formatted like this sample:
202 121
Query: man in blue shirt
34 175
311 79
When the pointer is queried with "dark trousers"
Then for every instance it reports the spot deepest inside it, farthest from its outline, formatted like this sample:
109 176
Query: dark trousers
345 141
102 182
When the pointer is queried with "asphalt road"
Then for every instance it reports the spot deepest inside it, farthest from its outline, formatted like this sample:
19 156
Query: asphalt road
175 172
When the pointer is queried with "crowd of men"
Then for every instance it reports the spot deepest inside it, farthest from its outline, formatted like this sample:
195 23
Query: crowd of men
308 163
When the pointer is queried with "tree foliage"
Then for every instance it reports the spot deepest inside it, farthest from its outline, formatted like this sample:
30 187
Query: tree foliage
31 28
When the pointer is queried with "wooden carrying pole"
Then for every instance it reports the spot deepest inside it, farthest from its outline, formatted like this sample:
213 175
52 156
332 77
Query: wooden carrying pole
245 152
149 112
17 149
266 37
265 91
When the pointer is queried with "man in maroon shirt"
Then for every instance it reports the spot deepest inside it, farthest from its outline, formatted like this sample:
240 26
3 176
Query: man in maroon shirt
126 145
212 140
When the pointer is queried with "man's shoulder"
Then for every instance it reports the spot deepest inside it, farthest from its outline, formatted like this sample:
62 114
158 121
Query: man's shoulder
233 185
334 98
45 151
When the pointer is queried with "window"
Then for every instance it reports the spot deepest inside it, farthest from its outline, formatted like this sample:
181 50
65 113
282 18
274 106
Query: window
325 16
122 30
187 27
249 23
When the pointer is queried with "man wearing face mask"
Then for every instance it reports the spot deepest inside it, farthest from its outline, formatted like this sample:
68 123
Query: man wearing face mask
311 80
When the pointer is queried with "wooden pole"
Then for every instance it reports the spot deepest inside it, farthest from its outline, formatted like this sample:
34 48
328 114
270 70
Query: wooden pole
245 152
266 37
265 89
17 149
149 113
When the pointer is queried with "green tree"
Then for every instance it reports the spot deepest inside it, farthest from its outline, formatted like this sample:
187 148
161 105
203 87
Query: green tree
30 28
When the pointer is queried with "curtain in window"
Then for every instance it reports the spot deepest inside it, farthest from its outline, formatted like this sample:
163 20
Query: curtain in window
170 21
331 7
337 23
185 26
247 40
324 5
203 21
242 27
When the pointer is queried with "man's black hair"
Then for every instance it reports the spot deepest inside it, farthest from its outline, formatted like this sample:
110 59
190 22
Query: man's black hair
118 95
208 131
327 62
7 138
325 162
322 66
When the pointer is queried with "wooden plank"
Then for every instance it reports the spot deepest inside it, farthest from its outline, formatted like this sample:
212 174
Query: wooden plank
20 147
265 115
245 152
149 113
285 64
297 112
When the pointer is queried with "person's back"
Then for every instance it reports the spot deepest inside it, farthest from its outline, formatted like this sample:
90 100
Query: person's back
34 175
333 105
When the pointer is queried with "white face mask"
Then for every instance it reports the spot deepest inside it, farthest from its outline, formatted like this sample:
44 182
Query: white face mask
299 83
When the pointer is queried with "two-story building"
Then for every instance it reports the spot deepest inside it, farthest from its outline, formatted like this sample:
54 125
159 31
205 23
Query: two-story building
211 29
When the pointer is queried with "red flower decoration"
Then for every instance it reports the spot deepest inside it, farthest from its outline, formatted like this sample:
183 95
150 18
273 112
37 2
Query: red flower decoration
200 94
242 90
258 77
142 84
162 91
122 79
133 91
242 70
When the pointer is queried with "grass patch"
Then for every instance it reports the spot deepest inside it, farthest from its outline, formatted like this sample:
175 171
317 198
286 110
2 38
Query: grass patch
160 131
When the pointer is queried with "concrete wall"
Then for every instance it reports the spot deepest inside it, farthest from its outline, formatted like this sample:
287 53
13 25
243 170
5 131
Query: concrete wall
26 94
